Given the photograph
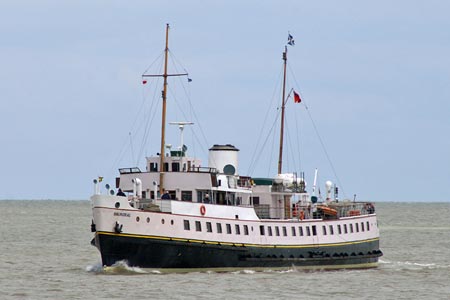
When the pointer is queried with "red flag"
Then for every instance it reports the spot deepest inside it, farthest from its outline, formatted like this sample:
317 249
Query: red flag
144 81
297 98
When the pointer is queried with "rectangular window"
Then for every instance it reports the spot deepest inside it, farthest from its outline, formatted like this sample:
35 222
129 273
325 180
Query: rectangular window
245 229
238 229
357 227
308 231
186 196
367 226
219 228
284 231
228 228
277 231
293 231
198 226
362 226
339 229
314 230
208 227
153 167
351 228
324 229
175 167
269 230
300 230
166 167
255 200
261 229
331 230
187 226
345 228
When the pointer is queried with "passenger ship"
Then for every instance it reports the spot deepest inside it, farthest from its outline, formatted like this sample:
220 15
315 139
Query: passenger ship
181 215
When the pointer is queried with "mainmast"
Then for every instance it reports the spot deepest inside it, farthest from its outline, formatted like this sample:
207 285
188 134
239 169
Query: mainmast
165 75
283 103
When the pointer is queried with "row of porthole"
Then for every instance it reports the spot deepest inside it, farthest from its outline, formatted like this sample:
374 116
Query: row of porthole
148 220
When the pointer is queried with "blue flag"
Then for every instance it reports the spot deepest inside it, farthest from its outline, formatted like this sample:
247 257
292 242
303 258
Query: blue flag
291 40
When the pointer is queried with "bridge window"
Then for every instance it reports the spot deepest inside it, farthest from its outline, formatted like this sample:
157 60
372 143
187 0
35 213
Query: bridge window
175 167
186 196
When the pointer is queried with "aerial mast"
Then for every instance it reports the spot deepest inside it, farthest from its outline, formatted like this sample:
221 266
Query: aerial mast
283 103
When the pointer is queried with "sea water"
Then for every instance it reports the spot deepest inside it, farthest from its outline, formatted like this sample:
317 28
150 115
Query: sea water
45 253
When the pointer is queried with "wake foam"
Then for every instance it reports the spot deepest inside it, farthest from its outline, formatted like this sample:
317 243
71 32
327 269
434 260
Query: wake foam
119 268
408 265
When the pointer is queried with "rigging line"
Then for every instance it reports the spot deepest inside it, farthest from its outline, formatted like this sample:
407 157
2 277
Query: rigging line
182 112
254 158
122 152
274 146
298 142
149 121
174 58
175 61
326 153
192 110
147 127
131 145
261 149
148 68
291 147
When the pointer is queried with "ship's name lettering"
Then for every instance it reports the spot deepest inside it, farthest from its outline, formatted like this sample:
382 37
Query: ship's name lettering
122 214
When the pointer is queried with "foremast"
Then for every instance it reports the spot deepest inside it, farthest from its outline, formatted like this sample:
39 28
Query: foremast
165 75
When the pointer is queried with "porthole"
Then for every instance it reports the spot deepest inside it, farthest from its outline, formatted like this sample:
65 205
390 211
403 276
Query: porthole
137 219
117 205
148 220
171 222
162 221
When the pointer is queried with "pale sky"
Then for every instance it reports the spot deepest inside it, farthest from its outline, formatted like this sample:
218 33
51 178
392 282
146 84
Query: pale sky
375 76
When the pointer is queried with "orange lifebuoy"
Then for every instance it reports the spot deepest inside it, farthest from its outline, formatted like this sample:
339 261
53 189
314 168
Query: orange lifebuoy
203 210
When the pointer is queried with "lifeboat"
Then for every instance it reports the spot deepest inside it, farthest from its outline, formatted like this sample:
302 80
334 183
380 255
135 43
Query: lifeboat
327 210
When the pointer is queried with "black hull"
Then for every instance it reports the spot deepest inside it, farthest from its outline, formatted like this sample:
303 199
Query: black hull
162 253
